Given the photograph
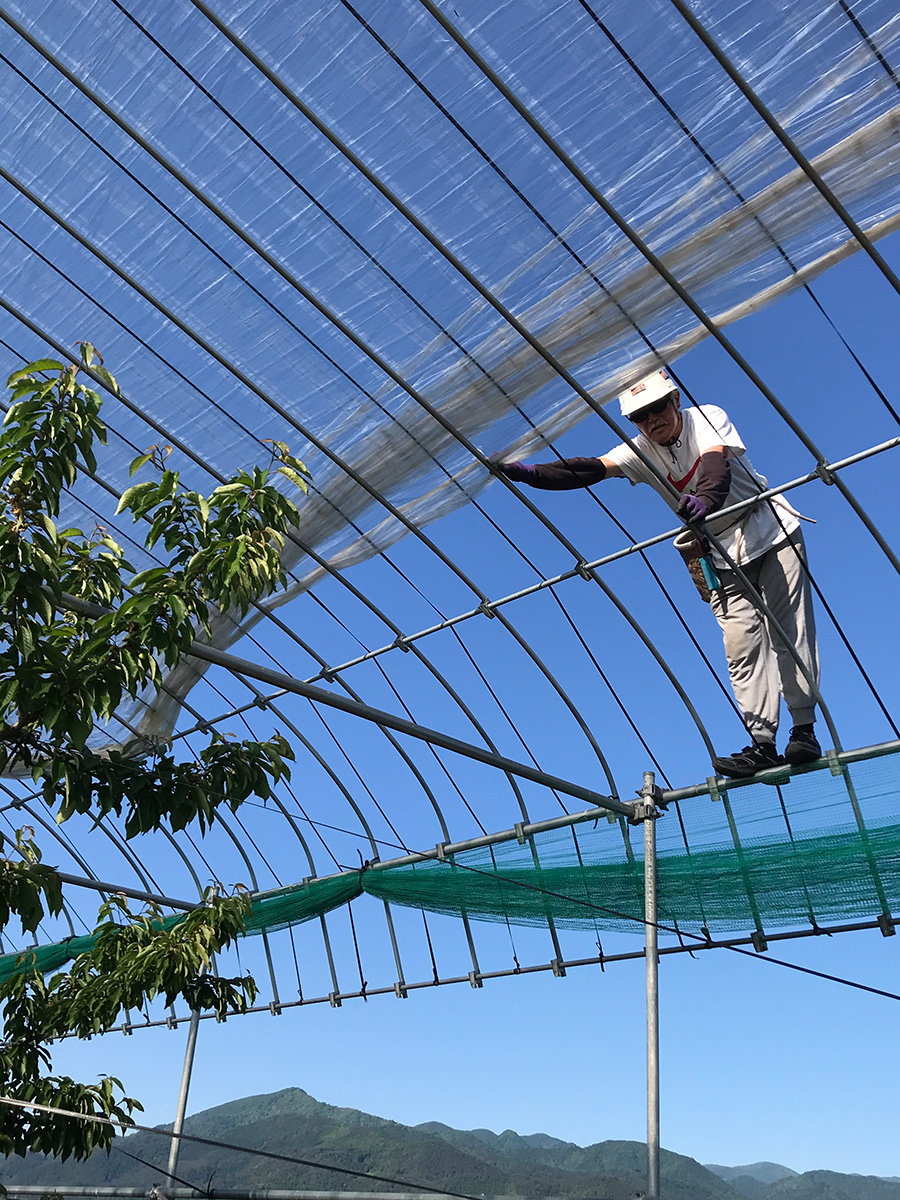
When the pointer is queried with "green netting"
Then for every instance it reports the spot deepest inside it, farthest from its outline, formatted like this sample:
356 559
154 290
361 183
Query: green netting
291 907
309 899
51 957
816 879
816 848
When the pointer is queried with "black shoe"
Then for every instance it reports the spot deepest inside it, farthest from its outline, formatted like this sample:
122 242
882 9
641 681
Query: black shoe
750 760
803 747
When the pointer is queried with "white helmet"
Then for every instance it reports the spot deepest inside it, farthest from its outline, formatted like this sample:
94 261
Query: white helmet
648 391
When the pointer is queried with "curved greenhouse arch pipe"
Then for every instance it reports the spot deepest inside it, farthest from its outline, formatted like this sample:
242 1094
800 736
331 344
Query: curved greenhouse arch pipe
523 332
311 298
396 513
485 292
786 140
325 212
338 576
422 658
641 246
452 429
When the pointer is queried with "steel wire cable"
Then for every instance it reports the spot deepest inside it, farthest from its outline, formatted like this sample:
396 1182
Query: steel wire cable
658 265
410 526
804 563
700 940
132 1126
870 41
738 79
696 937
153 1167
337 575
742 199
472 142
333 139
259 646
197 715
524 333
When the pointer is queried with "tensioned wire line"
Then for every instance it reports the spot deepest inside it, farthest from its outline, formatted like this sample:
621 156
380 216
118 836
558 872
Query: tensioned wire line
133 862
870 41
680 933
153 1167
644 249
739 80
116 495
738 195
446 253
377 496
358 811
388 49
131 1126
660 926
192 455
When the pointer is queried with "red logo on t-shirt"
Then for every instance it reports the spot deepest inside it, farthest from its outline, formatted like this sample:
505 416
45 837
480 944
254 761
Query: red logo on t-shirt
680 484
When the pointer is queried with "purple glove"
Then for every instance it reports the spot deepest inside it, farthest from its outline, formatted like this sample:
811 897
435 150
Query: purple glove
692 508
518 472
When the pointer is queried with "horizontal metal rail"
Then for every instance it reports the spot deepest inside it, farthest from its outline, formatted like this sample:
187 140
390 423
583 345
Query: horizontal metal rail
558 967
525 830
242 666
580 571
779 774
211 1193
582 568
116 889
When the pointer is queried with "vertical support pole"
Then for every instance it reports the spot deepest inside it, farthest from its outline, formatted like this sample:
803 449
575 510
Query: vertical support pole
652 964
183 1094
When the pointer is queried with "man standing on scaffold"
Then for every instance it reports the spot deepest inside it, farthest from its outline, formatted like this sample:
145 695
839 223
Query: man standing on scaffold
701 456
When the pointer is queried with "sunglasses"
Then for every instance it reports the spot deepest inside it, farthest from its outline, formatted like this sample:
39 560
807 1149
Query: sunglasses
642 414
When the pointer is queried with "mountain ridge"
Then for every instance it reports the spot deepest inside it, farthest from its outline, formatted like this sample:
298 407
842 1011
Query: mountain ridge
476 1162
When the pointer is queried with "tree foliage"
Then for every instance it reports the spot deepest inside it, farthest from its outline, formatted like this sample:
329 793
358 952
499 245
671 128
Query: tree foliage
81 631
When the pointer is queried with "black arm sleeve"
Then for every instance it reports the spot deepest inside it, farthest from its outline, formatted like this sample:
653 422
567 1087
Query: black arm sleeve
713 479
567 473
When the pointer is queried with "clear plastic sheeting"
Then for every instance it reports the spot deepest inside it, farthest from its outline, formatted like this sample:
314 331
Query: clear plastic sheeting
250 280
325 224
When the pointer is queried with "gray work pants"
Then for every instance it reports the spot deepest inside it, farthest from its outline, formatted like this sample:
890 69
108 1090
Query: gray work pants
761 668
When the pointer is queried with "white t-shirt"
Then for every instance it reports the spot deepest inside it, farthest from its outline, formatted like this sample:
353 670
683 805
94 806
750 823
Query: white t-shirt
745 535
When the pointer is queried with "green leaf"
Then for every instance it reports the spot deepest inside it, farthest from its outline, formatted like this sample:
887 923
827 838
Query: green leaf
137 463
108 379
41 364
294 476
